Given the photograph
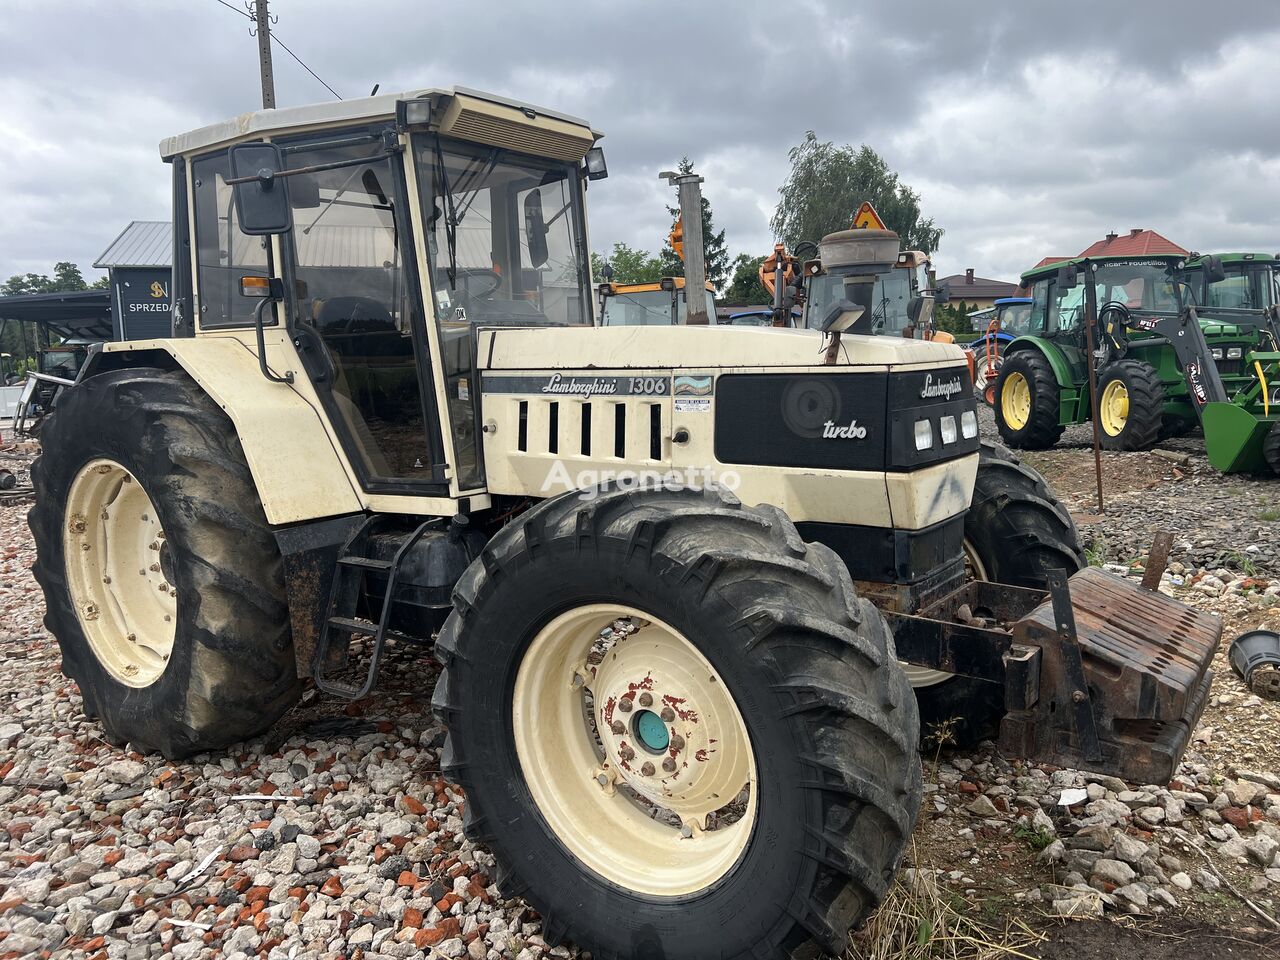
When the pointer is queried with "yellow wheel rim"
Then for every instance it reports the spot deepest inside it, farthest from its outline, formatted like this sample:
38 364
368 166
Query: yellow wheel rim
1113 408
634 750
117 573
1015 400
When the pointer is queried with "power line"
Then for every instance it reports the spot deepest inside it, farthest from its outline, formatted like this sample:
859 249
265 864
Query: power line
304 66
283 47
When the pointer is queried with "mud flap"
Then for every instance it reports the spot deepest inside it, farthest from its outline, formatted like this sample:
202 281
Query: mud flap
1107 675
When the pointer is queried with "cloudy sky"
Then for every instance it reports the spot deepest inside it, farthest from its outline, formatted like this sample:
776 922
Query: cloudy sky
1028 128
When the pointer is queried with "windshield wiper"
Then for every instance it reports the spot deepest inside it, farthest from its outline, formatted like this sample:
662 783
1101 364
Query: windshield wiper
450 217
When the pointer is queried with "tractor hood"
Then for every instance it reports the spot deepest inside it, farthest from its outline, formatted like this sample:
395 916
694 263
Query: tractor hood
676 347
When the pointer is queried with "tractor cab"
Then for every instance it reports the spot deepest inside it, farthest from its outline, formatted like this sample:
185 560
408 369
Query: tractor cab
658 303
902 305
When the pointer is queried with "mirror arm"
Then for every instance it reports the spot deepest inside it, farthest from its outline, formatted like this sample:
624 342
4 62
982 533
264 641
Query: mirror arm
262 345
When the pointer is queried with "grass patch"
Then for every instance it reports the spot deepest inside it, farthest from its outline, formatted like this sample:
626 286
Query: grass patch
1037 840
919 920
1269 514
1095 551
1243 562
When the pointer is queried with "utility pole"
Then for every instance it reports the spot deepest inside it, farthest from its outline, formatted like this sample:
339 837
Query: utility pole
695 266
264 54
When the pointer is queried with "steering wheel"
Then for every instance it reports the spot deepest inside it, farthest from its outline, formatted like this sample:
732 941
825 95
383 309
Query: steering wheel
465 281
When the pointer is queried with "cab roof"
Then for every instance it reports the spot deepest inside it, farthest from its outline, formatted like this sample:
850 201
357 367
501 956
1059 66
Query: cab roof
1235 258
259 123
1050 269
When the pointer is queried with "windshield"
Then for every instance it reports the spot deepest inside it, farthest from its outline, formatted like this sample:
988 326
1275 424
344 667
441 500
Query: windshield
1139 285
889 308
637 308
1015 318
1247 286
503 235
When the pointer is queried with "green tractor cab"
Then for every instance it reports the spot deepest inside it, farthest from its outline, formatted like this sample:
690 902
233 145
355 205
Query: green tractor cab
1175 342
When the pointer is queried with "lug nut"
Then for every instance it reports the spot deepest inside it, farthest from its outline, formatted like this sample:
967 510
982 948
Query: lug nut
669 765
647 770
626 753
132 638
155 568
624 705
155 545
646 700
677 743
617 728
668 715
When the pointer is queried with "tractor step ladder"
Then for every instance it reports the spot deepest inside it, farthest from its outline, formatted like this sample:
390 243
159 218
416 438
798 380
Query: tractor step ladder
344 594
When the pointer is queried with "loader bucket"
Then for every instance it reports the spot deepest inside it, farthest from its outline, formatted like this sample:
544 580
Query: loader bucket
1233 438
1109 676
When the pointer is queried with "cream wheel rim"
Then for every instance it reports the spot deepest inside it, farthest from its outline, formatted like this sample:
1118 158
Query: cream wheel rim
974 569
117 563
1114 408
634 750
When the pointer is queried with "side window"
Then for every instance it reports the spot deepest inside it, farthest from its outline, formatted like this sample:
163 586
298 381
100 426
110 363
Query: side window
223 253
1065 308
1039 322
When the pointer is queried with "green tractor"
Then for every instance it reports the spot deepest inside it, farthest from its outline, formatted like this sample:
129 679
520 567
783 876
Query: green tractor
1175 342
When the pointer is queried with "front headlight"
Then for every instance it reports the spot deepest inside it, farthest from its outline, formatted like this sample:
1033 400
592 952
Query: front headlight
947 430
1216 353
968 424
1235 353
924 434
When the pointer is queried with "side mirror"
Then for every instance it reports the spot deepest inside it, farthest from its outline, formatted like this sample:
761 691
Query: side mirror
1213 269
262 199
535 228
941 296
1066 277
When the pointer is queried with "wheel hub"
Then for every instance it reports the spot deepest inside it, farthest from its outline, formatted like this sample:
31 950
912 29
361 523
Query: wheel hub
119 573
636 753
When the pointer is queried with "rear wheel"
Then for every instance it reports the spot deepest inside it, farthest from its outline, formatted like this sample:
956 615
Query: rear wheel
986 375
667 710
1130 406
162 580
1026 401
1016 532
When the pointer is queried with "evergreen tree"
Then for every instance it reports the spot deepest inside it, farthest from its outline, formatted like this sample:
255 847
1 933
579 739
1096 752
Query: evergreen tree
715 253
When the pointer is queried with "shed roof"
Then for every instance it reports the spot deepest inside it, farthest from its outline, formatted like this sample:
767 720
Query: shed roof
1135 243
143 243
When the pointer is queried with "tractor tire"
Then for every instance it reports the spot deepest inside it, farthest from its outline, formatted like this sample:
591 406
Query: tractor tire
1130 406
1271 447
1026 401
1172 426
162 580
1016 532
789 683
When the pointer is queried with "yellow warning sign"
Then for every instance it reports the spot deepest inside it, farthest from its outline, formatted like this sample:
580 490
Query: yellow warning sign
867 218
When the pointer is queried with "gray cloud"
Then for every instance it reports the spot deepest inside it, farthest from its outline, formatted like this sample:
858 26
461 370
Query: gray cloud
1028 128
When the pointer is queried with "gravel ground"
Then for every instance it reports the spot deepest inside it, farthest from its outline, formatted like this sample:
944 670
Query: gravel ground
337 836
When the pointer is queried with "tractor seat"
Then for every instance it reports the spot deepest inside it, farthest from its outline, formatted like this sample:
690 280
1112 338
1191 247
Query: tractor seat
359 325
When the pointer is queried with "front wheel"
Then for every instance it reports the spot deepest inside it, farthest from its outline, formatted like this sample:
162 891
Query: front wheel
668 713
1271 447
1130 406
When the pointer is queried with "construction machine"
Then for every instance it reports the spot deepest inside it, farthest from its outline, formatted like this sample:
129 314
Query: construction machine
1175 343
658 302
682 580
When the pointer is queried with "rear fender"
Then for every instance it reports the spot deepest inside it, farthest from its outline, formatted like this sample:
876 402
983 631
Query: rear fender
296 465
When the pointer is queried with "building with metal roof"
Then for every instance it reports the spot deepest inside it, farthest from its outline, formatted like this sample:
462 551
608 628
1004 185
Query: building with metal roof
143 243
